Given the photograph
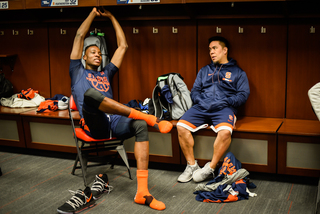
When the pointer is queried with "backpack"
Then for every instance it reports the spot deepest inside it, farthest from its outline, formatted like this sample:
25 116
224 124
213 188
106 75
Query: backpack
170 97
98 39
6 87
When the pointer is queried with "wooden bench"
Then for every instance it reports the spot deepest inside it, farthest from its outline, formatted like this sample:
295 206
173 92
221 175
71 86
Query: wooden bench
299 147
52 131
254 143
49 130
261 144
41 131
11 127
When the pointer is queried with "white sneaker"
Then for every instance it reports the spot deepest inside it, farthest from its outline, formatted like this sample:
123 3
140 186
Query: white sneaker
186 176
202 174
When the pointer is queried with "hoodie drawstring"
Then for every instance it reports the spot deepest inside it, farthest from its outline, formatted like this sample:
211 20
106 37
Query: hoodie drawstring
218 73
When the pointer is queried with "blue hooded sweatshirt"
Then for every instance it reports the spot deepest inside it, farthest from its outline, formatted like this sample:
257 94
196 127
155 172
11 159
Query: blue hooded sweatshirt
219 86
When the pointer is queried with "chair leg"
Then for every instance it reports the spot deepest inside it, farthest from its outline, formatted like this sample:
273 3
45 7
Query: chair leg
85 163
82 163
124 157
113 161
75 165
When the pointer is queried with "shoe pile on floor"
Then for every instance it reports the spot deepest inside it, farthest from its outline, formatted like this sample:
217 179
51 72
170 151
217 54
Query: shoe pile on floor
85 199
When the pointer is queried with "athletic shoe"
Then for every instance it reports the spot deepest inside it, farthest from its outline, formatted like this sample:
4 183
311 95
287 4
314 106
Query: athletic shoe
202 174
186 176
80 201
100 186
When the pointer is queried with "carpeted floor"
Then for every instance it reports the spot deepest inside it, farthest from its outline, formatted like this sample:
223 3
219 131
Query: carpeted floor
38 182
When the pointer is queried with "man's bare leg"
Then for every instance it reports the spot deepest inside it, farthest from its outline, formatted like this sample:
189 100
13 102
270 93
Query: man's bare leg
220 146
186 142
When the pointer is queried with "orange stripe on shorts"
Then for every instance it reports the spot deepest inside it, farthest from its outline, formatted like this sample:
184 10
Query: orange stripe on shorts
188 124
223 124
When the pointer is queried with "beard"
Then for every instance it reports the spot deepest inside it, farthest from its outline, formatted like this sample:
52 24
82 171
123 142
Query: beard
216 62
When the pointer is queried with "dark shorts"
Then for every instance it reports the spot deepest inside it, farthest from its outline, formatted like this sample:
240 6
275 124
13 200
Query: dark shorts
102 125
193 120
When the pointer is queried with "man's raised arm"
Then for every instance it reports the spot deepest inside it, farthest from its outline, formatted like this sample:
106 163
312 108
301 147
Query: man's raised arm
121 39
76 52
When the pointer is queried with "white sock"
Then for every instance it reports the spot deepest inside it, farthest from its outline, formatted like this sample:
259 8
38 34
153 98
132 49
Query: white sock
193 164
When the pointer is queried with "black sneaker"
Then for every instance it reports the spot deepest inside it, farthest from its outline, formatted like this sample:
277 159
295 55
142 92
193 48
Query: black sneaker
100 186
80 201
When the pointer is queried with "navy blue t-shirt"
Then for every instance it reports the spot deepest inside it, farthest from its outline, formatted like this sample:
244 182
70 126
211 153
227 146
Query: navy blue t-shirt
82 79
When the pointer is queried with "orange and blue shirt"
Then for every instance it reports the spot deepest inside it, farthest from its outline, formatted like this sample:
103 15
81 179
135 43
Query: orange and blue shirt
82 79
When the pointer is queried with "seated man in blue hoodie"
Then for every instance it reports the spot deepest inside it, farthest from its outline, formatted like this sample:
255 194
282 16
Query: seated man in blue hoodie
219 89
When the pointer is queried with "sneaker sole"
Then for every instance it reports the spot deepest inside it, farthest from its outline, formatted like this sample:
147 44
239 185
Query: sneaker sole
85 208
78 211
184 181
97 197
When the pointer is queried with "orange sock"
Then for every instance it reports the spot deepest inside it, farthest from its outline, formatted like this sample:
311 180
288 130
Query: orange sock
143 196
162 125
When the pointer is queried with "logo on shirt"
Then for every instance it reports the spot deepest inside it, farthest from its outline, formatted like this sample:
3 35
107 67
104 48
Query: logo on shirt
100 83
227 77
227 167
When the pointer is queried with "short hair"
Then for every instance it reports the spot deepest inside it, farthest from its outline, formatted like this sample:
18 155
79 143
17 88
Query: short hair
85 50
223 41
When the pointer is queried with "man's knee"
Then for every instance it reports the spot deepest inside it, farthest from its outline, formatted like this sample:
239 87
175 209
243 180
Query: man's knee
93 98
140 130
183 131
224 135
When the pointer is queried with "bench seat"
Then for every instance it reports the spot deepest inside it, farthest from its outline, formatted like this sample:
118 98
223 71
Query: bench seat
253 124
254 143
60 114
49 130
299 147
11 127
272 145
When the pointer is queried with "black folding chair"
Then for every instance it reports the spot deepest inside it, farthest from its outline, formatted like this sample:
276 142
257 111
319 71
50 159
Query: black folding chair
90 146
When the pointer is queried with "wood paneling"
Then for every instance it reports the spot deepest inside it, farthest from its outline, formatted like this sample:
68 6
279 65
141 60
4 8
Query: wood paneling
299 131
32 63
16 4
56 117
31 4
7 113
114 2
283 139
303 69
300 127
60 46
175 158
202 1
153 54
265 57
261 55
271 138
